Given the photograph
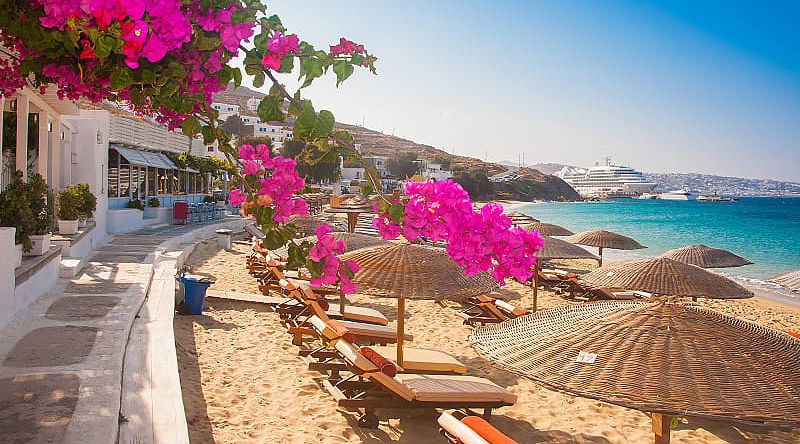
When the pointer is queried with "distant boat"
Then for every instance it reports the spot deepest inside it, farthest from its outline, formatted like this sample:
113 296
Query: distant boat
677 195
648 196
606 181
716 198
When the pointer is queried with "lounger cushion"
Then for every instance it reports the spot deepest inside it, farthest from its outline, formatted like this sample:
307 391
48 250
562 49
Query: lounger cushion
455 388
340 330
361 314
384 332
511 309
421 360
486 430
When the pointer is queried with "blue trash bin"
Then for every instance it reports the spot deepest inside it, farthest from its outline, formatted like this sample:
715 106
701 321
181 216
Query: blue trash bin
194 291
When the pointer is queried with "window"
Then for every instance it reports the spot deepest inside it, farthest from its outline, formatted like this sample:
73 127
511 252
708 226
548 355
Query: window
211 148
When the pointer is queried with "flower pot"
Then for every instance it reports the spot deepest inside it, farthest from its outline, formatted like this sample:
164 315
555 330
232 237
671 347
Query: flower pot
82 223
41 245
17 255
67 226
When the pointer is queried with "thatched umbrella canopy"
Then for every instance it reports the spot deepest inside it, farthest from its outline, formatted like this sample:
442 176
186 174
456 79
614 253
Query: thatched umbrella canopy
660 357
518 218
353 241
307 224
546 229
414 272
556 249
667 277
352 207
789 280
604 239
706 257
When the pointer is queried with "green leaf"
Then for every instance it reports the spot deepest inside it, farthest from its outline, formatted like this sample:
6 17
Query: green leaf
344 136
310 68
120 78
259 78
148 76
304 124
237 76
396 212
191 126
208 135
323 125
272 22
169 89
274 240
104 46
296 257
343 70
287 65
270 108
206 41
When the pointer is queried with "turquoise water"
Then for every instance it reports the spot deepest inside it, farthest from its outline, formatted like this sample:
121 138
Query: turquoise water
764 230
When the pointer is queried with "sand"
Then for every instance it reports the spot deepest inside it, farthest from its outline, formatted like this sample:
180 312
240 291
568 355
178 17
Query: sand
243 381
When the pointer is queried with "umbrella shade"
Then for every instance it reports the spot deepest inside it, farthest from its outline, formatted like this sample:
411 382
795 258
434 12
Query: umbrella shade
518 218
789 280
706 257
559 249
667 277
548 229
414 272
605 239
355 204
657 356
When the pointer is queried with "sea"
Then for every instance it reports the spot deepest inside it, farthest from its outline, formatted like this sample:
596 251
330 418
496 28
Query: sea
765 230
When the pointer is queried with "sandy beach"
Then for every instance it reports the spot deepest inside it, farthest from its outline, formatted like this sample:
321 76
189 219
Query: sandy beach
244 382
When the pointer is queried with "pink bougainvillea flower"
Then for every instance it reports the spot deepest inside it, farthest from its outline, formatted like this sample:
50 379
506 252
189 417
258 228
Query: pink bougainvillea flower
236 197
272 61
346 47
87 52
250 167
155 49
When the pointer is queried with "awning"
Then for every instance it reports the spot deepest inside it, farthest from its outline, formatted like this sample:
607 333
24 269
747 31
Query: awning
146 158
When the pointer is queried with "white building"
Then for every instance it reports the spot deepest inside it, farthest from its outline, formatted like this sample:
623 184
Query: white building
433 171
277 133
225 110
377 162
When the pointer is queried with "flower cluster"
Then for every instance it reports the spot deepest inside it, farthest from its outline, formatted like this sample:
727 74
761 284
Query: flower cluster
10 79
477 241
346 47
324 252
278 181
278 46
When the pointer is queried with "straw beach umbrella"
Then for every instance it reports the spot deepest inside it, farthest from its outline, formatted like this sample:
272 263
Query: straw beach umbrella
352 206
706 257
353 241
547 229
555 249
415 272
667 277
789 280
660 357
518 218
605 239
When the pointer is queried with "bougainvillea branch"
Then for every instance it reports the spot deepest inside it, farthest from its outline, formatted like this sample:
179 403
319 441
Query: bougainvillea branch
167 58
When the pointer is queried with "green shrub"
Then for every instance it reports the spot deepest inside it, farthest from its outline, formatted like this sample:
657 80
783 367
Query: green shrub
71 203
16 211
89 201
208 199
42 202
153 202
136 203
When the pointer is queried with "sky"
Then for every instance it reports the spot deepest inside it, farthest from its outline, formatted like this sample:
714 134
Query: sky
702 86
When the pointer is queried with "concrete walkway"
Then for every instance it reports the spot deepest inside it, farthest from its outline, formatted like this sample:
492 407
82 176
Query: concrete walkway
61 360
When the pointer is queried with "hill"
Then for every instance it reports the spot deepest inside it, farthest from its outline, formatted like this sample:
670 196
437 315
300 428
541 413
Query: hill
530 185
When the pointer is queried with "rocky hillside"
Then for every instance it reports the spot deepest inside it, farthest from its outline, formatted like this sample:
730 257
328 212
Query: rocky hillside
531 184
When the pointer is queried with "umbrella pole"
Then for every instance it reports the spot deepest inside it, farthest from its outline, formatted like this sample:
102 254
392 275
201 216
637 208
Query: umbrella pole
401 308
352 219
342 303
661 428
600 254
535 284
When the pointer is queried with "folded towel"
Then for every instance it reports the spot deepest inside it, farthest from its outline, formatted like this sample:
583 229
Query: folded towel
340 330
387 367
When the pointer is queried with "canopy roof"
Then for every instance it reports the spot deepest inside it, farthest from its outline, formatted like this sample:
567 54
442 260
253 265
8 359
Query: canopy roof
654 356
546 229
560 249
789 280
706 257
415 272
667 277
145 158
605 239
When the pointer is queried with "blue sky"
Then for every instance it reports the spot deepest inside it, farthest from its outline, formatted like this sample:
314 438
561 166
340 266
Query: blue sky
698 86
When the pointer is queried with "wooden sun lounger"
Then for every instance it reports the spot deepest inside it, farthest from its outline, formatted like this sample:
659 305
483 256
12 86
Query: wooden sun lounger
489 310
326 359
470 430
368 388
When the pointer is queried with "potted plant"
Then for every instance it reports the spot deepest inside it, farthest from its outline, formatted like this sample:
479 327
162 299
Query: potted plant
70 202
15 211
154 202
137 204
89 204
42 203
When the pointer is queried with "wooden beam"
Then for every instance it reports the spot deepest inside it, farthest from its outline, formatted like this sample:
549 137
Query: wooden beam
23 108
661 428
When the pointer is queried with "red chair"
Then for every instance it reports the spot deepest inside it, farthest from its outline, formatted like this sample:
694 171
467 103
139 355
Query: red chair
180 212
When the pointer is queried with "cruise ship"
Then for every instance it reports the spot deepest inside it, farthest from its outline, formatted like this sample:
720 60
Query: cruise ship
604 181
